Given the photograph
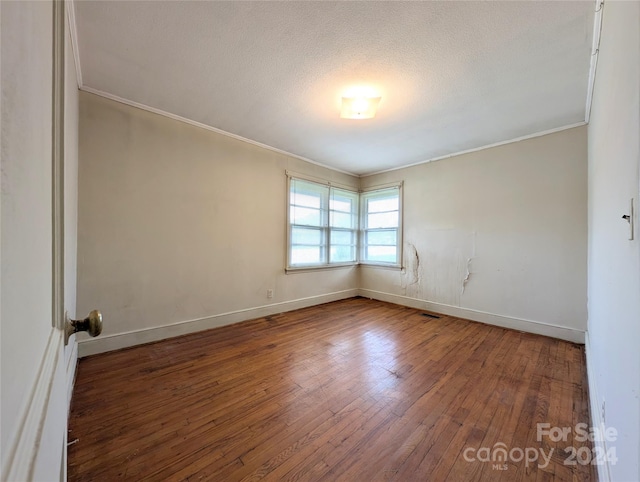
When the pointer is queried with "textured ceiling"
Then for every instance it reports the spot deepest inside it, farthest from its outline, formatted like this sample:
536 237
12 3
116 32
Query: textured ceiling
453 76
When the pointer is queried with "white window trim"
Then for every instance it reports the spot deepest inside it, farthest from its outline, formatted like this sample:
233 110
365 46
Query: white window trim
305 177
359 246
398 265
327 265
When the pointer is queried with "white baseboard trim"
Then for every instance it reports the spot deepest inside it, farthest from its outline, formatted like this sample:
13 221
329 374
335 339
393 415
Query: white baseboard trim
23 447
103 344
529 326
595 404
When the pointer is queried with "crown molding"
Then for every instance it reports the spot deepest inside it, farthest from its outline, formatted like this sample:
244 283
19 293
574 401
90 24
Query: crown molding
597 30
482 148
178 118
73 31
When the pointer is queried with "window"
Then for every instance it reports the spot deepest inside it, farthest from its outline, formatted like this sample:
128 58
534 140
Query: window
381 227
326 228
323 225
343 237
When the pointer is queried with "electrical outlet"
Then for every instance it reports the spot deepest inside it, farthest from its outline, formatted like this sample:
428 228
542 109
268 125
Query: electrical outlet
269 294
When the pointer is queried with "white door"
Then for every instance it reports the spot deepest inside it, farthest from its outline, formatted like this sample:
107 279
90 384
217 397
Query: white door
34 361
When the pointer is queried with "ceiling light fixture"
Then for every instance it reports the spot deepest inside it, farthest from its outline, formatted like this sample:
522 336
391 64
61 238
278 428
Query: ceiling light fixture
359 107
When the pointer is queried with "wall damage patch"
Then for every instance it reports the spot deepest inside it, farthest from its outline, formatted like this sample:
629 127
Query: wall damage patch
412 279
467 277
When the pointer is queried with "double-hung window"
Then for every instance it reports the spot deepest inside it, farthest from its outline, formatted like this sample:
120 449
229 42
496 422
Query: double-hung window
323 225
343 220
381 224
333 226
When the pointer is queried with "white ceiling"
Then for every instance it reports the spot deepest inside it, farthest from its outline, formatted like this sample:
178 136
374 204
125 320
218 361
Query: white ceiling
453 76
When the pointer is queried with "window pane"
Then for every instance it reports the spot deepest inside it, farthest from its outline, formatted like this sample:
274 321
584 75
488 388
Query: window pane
304 199
342 220
387 237
343 254
341 204
344 209
306 216
383 204
342 237
308 194
306 236
325 222
306 255
383 254
383 220
342 200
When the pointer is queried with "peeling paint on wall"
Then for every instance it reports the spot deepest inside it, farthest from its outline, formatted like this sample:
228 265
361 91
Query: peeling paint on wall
486 238
412 279
467 277
414 262
438 265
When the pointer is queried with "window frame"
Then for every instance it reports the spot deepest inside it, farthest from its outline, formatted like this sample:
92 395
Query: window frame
354 229
359 230
373 192
325 226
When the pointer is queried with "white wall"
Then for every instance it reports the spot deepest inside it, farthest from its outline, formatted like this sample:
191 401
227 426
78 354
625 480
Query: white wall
26 314
613 350
178 223
511 220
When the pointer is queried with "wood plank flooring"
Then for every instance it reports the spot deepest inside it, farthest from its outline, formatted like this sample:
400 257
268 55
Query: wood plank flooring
356 390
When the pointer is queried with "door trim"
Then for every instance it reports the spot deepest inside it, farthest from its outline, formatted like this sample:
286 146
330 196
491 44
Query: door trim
21 461
57 167
42 413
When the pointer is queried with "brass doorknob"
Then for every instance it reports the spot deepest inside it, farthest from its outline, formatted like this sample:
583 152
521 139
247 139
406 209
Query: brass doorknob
92 324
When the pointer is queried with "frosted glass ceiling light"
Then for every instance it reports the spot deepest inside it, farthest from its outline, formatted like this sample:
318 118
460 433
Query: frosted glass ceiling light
359 107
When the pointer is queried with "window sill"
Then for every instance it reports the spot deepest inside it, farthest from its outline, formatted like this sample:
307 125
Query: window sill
394 267
309 269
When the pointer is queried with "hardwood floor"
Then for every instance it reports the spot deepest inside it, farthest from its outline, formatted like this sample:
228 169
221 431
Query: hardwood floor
355 390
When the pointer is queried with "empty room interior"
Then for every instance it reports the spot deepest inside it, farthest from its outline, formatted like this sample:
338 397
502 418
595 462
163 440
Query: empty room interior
321 240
